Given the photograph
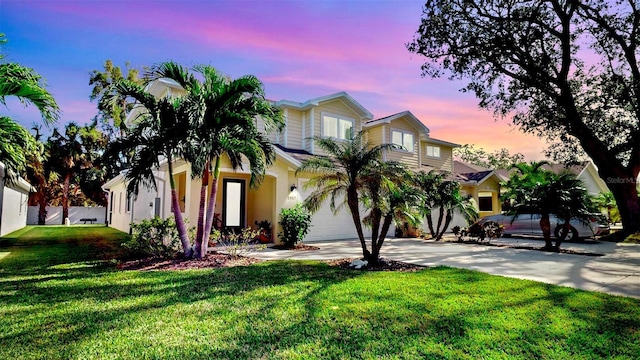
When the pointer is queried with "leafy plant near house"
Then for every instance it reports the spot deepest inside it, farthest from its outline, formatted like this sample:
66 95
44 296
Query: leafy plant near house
237 244
154 237
264 229
295 223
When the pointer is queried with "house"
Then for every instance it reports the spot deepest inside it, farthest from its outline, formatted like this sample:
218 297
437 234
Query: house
585 171
13 203
335 115
483 185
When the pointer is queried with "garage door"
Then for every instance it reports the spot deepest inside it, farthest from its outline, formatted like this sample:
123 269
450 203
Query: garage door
326 225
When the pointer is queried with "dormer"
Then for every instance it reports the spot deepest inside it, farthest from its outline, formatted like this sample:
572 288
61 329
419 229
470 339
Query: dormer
419 150
337 115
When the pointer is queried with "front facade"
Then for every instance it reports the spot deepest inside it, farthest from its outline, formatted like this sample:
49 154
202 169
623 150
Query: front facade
238 205
13 203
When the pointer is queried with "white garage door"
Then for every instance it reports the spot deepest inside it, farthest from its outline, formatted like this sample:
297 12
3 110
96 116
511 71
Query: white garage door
326 225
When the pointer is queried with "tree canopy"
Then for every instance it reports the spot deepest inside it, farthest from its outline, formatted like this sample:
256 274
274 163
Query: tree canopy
499 159
567 71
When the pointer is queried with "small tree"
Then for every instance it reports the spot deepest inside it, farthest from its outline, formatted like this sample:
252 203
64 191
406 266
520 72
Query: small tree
295 223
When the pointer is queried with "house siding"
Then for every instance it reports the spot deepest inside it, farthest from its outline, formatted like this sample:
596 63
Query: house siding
294 129
410 158
444 162
335 107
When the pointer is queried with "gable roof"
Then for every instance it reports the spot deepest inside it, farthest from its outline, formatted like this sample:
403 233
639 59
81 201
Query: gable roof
342 95
419 125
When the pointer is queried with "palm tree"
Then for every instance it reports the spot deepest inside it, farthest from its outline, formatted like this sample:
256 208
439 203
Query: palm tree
532 189
437 192
25 84
70 159
341 176
160 134
226 127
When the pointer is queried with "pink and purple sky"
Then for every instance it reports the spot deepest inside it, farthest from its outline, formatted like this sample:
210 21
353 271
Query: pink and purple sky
299 49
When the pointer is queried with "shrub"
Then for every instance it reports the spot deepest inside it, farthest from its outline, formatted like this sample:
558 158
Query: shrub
237 244
154 237
295 223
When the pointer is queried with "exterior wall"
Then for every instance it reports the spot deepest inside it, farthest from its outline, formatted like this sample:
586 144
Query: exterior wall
54 214
294 130
334 107
592 181
411 157
444 162
273 136
143 206
13 210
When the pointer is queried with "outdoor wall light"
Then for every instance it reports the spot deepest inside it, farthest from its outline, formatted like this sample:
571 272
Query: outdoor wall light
293 187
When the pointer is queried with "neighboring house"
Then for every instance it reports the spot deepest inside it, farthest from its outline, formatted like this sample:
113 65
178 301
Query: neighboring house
13 203
337 115
585 171
482 184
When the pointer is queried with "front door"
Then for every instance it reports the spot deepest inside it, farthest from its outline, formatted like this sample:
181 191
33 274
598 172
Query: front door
233 204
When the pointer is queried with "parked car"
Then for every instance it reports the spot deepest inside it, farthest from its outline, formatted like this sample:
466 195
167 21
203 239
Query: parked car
529 224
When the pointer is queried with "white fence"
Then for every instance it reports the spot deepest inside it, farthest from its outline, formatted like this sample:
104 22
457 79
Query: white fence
54 215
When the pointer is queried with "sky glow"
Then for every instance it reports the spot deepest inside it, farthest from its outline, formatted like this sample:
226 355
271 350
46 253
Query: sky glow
299 49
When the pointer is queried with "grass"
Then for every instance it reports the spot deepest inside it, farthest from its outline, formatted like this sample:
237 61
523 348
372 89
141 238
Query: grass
60 297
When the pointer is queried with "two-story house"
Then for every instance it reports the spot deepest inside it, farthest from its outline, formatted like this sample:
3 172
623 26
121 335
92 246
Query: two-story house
336 115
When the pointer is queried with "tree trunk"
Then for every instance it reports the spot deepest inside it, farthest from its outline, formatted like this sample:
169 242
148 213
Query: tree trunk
447 221
42 210
352 202
626 196
566 227
386 224
211 206
175 207
440 217
430 224
545 226
65 197
376 216
198 246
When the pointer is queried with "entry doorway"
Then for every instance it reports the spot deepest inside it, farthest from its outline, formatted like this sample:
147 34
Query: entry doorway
233 204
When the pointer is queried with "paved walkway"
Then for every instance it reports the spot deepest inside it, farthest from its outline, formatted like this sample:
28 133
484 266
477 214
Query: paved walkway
618 272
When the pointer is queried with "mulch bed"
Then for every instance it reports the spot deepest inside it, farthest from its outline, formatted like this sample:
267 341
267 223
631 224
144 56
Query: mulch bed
383 265
212 260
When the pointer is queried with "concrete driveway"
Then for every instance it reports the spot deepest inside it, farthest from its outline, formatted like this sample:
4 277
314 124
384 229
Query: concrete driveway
617 272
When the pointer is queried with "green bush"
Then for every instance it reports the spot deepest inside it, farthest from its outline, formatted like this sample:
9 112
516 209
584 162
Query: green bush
154 237
295 223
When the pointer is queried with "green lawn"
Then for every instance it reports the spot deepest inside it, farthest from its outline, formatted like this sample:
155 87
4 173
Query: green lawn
60 297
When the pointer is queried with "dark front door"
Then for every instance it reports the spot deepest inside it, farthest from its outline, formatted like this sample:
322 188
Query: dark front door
233 204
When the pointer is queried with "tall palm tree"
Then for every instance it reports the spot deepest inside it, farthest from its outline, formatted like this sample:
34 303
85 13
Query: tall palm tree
160 134
227 127
25 84
341 176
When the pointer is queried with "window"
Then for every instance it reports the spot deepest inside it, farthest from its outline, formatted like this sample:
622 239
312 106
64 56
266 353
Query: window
433 151
337 127
485 201
402 138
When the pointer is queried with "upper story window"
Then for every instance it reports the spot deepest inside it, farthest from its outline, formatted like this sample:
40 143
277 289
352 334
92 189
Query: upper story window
402 138
337 127
433 151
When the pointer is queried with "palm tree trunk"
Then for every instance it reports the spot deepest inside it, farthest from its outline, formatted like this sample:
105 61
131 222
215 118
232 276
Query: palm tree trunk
430 223
65 197
352 202
201 211
175 207
211 207
386 224
545 226
440 217
447 221
42 209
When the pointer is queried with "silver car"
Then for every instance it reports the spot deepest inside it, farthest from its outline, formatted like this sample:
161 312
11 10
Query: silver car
529 224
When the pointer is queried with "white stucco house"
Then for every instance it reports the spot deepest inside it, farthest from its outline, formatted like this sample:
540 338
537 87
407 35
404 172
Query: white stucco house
13 203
